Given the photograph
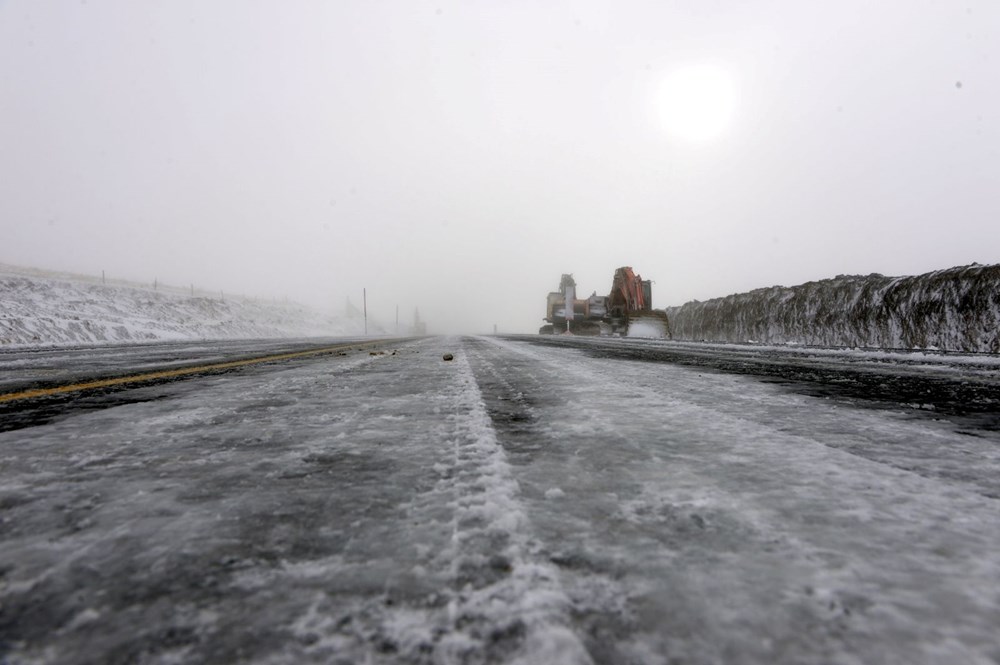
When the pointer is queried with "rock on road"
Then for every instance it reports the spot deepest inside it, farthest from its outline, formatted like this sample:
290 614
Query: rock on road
529 501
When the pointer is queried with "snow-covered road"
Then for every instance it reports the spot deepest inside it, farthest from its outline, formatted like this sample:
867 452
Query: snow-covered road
531 503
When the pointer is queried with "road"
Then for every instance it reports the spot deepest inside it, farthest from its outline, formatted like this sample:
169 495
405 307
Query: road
533 500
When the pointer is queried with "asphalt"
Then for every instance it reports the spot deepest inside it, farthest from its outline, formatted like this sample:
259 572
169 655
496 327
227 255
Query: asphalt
532 500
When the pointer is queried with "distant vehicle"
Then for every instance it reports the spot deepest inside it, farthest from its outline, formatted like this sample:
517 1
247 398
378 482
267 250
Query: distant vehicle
627 310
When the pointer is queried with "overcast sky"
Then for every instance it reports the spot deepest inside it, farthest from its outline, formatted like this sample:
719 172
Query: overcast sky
460 156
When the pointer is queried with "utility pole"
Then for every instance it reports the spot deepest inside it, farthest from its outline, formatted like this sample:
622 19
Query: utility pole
364 298
397 319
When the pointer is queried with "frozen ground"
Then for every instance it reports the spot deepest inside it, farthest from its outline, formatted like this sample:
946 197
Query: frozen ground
525 503
41 308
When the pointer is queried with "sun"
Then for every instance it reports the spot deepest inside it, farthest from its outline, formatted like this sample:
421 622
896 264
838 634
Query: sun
696 102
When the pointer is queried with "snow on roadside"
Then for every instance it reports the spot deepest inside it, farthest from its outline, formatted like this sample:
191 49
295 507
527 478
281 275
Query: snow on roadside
957 309
63 310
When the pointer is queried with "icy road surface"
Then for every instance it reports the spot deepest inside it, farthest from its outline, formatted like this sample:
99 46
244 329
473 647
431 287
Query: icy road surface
532 501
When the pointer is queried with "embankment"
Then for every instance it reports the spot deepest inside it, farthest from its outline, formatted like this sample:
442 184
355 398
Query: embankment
957 309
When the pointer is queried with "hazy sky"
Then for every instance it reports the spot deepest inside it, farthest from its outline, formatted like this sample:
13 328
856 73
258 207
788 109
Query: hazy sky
460 156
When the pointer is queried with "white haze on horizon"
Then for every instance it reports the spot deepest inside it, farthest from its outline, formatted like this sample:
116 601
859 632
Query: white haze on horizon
459 156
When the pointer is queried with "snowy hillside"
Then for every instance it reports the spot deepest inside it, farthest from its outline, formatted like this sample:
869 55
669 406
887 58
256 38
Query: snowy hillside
957 309
49 308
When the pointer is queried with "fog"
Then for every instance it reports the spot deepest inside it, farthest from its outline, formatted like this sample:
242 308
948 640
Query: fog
459 156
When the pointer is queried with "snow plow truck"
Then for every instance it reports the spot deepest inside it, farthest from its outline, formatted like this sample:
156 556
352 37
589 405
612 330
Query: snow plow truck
626 311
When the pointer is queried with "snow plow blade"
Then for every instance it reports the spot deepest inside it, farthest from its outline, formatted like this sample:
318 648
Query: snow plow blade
650 324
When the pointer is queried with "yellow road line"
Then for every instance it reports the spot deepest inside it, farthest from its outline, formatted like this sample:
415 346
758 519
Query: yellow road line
170 373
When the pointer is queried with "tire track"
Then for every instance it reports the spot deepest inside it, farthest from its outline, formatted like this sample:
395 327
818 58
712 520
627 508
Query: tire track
507 604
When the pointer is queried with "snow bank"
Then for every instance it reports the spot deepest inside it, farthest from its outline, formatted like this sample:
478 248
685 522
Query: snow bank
957 309
38 308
